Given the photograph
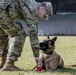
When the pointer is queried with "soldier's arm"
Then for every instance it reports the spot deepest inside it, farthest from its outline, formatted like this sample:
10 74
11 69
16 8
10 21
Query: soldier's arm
25 10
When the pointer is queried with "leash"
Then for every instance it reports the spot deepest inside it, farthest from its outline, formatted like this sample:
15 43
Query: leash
34 67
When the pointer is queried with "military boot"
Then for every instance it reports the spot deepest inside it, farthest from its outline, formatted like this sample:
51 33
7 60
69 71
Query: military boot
9 66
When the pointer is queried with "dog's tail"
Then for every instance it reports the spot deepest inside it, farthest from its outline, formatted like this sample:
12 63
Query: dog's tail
70 65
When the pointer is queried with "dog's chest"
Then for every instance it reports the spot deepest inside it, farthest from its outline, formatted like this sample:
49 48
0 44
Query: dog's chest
50 61
49 58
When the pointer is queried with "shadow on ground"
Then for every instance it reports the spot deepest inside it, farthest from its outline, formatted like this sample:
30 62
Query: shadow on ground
71 70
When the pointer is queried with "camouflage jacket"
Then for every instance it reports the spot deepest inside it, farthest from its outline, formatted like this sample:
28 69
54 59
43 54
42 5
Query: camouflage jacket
32 4
16 5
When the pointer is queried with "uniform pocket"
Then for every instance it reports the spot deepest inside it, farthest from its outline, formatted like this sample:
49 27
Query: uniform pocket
12 12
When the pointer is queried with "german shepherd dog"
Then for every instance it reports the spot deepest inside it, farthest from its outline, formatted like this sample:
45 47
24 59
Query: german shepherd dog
50 59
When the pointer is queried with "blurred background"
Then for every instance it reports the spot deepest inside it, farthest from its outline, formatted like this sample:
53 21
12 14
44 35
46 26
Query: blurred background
63 22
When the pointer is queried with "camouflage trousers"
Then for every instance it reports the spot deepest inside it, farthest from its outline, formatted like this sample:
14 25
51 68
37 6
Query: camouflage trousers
14 29
17 34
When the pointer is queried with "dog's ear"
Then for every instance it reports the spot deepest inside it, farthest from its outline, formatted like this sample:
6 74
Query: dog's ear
47 38
54 39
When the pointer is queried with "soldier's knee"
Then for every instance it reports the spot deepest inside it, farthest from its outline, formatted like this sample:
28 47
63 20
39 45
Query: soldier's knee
16 48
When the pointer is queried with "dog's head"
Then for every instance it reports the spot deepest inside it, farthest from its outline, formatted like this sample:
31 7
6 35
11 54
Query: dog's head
48 45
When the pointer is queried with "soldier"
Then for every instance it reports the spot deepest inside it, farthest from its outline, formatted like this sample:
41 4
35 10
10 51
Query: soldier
21 9
10 27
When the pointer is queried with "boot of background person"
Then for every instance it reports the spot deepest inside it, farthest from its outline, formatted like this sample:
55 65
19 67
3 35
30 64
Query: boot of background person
9 66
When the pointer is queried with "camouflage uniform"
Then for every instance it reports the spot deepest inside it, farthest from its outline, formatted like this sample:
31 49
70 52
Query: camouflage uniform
9 26
18 9
27 12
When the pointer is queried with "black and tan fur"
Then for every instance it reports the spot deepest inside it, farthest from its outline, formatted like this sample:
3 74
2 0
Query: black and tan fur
50 59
